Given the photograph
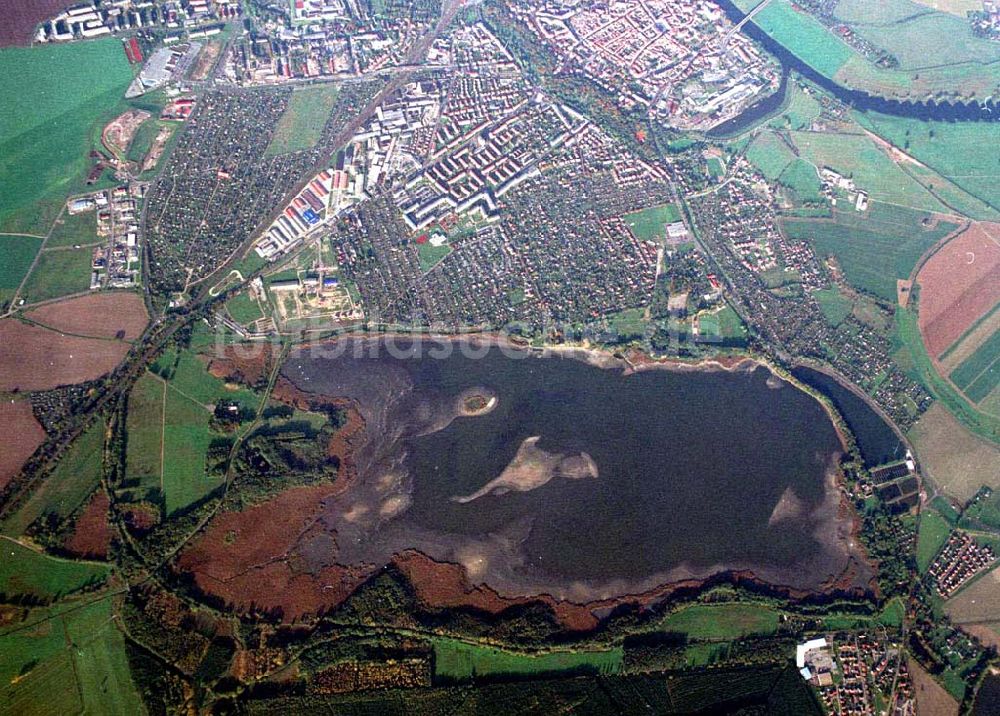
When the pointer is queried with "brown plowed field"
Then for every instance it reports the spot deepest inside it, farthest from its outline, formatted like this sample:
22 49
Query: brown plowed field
22 435
91 533
39 359
263 559
958 284
101 315
18 18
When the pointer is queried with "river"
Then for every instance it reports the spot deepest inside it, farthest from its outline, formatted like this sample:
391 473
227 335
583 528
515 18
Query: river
987 111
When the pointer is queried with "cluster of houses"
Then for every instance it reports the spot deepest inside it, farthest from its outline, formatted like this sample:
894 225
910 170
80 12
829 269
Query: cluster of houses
857 674
684 60
307 39
107 17
961 559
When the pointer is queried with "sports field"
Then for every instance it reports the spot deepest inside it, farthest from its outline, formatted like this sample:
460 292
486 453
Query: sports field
302 123
650 224
54 97
243 309
458 661
74 478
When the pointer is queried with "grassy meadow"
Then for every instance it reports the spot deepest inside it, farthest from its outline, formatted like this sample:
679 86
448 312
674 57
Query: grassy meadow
67 658
23 571
302 123
723 622
59 272
952 149
16 255
73 230
931 536
145 433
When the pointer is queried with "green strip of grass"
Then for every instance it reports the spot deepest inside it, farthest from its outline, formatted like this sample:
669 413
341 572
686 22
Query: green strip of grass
74 478
931 536
457 661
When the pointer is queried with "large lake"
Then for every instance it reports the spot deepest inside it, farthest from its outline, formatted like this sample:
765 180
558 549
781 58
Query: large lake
580 480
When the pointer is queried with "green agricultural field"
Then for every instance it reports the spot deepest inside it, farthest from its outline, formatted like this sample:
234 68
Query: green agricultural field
769 154
871 260
74 478
933 533
55 97
430 255
650 224
917 36
16 255
144 450
986 511
457 661
74 229
24 571
192 379
979 374
912 357
835 306
722 621
801 177
69 659
952 149
244 309
186 438
856 156
302 123
59 272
